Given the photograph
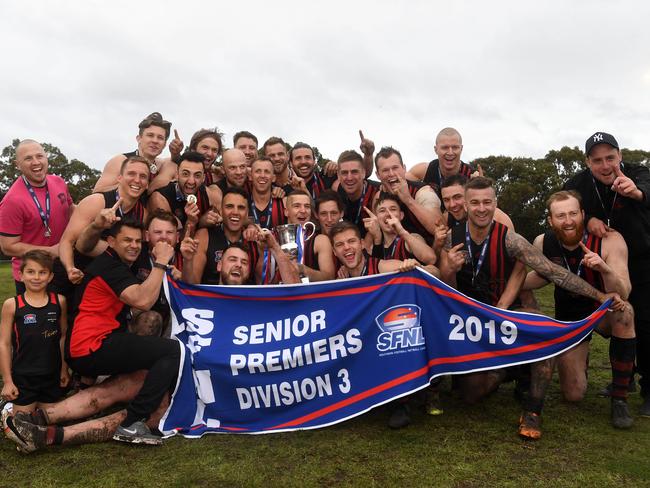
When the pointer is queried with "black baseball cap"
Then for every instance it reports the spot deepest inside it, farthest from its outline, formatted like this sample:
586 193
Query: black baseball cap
600 138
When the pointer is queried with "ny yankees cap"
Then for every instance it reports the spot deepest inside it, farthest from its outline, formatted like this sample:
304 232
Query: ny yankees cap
600 138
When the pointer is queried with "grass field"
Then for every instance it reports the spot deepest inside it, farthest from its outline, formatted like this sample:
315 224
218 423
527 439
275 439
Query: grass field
466 447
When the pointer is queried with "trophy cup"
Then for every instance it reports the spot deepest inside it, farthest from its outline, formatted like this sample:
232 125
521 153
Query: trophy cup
292 238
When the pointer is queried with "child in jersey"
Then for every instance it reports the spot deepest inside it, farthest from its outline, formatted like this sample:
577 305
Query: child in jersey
32 331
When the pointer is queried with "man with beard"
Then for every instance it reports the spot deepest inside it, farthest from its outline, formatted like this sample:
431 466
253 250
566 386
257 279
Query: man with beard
276 150
206 142
34 213
317 258
329 210
42 428
152 136
483 270
246 143
419 203
390 240
188 198
303 164
127 199
203 265
615 196
354 189
602 262
448 148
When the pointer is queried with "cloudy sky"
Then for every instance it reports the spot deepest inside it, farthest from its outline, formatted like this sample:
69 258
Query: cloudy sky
515 77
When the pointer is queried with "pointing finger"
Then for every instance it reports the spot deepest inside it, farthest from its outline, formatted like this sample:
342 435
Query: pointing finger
176 134
361 135
617 170
369 212
117 204
457 247
584 248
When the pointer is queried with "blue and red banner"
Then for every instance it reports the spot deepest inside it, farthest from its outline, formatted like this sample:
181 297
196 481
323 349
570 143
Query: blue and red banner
278 358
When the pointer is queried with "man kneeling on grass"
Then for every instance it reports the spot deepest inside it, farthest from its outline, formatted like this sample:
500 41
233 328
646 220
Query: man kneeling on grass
39 429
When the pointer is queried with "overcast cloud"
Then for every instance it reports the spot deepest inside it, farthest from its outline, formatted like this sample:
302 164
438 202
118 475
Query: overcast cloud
514 77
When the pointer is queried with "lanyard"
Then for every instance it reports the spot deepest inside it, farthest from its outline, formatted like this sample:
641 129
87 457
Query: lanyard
481 257
361 200
119 208
602 205
45 215
566 263
256 218
364 271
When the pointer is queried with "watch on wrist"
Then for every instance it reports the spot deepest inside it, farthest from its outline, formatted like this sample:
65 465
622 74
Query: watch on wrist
164 267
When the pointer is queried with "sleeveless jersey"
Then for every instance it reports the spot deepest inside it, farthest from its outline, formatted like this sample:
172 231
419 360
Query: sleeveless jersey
452 222
217 244
35 338
310 258
271 216
497 266
177 200
223 186
318 183
570 306
410 221
397 250
354 210
433 175
371 267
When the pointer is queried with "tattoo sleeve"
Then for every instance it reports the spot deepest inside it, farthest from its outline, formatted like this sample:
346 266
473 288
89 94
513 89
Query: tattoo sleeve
520 249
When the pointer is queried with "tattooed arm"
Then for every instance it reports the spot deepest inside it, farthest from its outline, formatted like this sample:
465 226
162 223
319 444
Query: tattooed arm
519 248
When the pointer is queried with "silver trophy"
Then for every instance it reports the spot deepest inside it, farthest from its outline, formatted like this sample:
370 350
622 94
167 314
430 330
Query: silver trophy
292 240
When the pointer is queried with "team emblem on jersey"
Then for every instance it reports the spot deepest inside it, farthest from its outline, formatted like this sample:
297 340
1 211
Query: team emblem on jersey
217 256
29 318
400 326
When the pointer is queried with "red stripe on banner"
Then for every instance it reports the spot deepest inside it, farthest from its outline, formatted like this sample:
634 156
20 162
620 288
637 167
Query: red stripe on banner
422 371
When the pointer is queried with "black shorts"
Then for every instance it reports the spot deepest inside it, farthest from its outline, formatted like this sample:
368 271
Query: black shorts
42 389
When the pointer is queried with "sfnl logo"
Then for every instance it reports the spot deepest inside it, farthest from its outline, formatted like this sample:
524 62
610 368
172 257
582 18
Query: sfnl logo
400 328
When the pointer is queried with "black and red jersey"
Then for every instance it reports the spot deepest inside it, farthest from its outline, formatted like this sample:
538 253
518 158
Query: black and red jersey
100 311
570 306
318 182
433 176
217 244
492 276
272 215
410 222
396 250
354 209
35 337
177 200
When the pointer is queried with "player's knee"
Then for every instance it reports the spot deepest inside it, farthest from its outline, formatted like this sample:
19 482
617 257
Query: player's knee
575 394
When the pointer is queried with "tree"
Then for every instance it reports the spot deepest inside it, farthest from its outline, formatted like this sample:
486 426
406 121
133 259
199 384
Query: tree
79 176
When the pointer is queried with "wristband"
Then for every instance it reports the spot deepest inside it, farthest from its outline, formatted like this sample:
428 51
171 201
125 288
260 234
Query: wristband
164 267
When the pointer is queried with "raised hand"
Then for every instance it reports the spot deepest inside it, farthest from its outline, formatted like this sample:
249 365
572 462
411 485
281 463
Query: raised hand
622 184
107 216
367 146
592 260
396 225
193 213
163 252
456 257
371 223
597 227
189 247
176 145
330 169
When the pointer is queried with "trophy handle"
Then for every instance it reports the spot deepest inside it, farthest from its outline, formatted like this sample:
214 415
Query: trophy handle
313 230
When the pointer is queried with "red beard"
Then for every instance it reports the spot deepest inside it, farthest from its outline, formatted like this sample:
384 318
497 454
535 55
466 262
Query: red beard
573 239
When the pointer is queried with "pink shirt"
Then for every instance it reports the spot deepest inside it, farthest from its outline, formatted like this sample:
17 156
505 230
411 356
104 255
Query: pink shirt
19 215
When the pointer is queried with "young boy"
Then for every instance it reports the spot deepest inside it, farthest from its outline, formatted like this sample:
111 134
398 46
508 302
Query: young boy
33 325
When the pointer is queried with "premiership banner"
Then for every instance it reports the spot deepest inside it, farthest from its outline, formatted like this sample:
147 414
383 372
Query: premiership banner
278 358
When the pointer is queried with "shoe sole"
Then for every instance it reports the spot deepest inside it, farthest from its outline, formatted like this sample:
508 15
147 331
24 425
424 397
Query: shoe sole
14 436
138 440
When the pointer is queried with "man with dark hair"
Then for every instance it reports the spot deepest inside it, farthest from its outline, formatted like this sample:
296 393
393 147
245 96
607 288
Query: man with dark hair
602 262
615 195
34 213
355 190
247 143
187 197
303 164
202 266
42 428
206 142
420 204
153 133
388 237
276 150
484 271
329 210
98 342
124 201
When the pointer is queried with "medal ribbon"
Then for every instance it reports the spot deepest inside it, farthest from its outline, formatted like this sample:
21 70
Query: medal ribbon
45 215
481 257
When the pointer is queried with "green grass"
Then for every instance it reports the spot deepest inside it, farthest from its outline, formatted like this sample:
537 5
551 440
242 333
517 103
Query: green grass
466 447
